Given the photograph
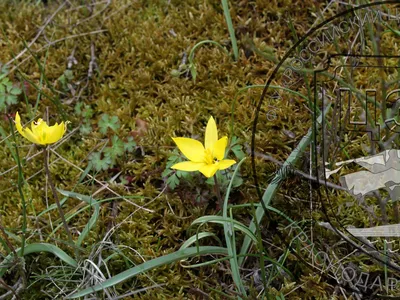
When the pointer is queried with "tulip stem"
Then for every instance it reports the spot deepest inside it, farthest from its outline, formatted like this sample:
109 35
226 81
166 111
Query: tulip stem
21 193
218 192
53 189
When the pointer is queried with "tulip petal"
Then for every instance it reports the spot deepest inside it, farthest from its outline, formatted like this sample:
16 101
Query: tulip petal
225 164
55 133
18 122
25 132
219 148
39 130
211 134
209 170
192 149
188 166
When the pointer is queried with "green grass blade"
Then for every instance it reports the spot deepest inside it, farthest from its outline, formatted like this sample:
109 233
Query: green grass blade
191 54
221 220
34 248
69 216
231 29
93 219
196 238
149 265
229 233
52 207
192 66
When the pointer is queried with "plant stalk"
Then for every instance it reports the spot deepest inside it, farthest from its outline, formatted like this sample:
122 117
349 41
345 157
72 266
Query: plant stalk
218 192
53 189
20 183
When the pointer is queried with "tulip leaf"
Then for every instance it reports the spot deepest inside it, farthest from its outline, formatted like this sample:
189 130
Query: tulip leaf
149 265
93 219
35 248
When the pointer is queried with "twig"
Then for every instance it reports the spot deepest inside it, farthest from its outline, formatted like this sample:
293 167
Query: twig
55 42
7 241
104 186
71 60
11 290
92 64
108 2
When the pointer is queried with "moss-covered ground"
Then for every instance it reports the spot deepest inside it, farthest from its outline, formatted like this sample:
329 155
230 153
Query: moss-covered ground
118 71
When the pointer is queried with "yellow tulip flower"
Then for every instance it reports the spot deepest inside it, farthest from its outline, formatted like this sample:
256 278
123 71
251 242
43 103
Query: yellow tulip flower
207 159
41 133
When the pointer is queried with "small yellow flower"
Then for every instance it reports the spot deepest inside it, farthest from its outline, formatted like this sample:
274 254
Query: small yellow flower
209 159
41 133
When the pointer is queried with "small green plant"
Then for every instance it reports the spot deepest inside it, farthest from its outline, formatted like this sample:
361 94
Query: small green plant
108 157
86 113
236 147
173 177
8 91
65 79
107 122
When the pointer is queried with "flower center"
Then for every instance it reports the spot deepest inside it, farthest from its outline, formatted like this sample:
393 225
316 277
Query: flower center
208 157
